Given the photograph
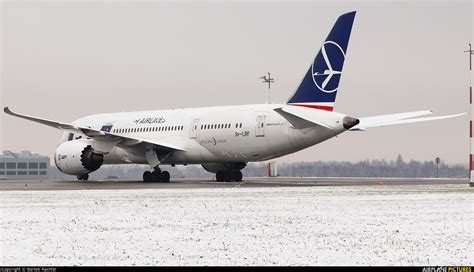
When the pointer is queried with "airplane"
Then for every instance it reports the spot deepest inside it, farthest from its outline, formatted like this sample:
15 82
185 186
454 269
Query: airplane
223 139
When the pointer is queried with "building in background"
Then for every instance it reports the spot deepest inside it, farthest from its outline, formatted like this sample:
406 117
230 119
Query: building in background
23 166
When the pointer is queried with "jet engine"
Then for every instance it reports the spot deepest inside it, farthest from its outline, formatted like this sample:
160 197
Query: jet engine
77 158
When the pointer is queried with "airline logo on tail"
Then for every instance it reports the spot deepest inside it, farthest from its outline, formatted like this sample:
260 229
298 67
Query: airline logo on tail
327 78
319 86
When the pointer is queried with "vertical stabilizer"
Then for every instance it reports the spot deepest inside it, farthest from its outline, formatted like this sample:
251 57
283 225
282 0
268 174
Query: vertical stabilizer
319 86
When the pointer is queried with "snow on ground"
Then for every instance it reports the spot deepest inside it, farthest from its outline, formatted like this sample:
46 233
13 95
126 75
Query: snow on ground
361 225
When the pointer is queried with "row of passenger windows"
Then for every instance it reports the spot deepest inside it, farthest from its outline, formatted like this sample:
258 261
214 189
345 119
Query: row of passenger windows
23 165
148 129
220 126
173 128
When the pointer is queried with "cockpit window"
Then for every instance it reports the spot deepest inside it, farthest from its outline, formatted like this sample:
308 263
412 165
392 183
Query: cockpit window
70 136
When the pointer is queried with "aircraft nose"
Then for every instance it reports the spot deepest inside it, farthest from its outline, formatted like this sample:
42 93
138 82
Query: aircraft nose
349 122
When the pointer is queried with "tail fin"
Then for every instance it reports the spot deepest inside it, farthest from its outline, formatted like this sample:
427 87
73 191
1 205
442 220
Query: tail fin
319 86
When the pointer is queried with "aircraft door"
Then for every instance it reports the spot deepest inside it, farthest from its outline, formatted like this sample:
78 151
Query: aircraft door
260 127
193 129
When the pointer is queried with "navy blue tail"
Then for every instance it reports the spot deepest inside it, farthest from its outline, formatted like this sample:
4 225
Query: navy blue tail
319 86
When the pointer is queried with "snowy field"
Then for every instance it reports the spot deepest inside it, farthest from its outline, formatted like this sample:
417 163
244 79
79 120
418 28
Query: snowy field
362 225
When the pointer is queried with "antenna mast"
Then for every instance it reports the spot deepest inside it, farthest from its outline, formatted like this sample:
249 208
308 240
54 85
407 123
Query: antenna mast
471 151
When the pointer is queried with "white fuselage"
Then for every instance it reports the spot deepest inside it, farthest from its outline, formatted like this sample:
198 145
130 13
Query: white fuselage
214 134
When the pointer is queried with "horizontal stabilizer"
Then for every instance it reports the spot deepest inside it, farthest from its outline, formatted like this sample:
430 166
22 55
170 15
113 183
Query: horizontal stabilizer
398 118
299 117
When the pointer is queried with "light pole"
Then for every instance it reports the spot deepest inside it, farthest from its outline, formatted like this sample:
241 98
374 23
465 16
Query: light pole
437 160
268 80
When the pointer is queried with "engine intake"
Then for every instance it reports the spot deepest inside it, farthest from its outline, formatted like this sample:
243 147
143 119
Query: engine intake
90 160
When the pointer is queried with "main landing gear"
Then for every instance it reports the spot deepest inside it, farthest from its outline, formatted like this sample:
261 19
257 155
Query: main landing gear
226 176
156 176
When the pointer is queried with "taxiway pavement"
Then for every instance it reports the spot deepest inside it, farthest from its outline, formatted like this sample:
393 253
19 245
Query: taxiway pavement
7 185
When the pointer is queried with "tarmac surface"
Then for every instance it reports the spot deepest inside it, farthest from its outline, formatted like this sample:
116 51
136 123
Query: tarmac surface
8 185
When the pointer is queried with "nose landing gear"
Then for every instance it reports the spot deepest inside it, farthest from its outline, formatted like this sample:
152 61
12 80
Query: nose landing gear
84 177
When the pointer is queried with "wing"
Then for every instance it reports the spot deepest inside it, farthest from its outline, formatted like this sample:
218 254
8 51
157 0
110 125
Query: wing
398 118
106 140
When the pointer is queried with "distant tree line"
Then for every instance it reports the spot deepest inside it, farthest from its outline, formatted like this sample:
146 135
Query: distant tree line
365 168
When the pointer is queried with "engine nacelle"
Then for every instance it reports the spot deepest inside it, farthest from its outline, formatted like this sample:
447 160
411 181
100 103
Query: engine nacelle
226 166
77 158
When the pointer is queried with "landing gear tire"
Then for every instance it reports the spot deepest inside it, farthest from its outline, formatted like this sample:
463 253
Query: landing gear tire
228 176
237 176
84 177
147 176
220 176
156 176
165 176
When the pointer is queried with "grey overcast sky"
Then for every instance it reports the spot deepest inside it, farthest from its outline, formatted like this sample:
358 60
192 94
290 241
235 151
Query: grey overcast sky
64 60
